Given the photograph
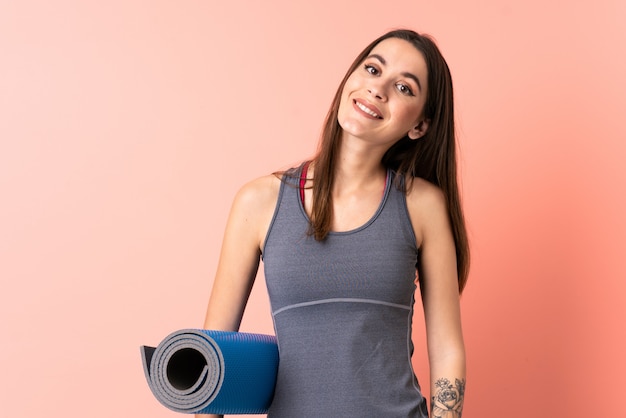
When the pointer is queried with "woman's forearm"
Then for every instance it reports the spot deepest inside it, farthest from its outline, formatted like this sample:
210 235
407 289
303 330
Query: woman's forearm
447 387
448 395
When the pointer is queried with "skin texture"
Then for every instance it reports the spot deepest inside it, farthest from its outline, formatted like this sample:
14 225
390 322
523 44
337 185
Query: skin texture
385 85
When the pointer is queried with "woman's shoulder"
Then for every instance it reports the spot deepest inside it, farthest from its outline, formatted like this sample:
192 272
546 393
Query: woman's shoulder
253 207
265 189
427 207
259 192
424 195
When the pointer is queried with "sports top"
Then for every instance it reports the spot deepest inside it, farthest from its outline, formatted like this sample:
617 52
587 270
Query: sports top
342 311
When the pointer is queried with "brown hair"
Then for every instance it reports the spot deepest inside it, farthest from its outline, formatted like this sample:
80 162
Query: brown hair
432 157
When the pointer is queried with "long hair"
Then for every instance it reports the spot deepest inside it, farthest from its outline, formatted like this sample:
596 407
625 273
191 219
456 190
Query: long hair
432 157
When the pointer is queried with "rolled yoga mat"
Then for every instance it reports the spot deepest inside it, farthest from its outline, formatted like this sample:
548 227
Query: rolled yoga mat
198 371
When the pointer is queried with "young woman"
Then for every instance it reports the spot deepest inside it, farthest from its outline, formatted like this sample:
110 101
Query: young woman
346 237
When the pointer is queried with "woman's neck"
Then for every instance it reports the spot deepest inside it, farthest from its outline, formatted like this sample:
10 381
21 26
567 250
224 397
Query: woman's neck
358 166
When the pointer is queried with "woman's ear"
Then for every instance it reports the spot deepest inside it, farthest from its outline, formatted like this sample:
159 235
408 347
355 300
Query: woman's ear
419 130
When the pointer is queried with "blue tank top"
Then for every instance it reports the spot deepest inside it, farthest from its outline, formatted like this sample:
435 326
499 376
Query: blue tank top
342 311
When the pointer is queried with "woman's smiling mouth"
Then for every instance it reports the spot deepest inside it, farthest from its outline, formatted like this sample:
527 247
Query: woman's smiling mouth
367 110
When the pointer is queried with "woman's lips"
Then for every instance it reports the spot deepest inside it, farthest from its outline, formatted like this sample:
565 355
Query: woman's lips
367 108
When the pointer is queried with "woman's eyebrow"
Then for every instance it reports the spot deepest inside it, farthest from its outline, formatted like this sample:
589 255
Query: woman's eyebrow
405 74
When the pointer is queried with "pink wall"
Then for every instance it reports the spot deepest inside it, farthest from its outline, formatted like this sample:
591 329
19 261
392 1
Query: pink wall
127 126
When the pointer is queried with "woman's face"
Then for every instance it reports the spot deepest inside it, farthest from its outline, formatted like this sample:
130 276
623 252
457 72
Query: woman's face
383 99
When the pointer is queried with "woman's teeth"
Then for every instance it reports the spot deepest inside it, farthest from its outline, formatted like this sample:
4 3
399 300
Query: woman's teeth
367 110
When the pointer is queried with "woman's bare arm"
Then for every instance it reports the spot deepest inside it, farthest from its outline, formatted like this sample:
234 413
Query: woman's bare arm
440 296
247 225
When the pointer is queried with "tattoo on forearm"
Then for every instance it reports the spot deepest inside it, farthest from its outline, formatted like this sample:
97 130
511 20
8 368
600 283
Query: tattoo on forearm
447 401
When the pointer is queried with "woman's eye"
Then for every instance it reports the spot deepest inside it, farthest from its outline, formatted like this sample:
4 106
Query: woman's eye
404 89
371 69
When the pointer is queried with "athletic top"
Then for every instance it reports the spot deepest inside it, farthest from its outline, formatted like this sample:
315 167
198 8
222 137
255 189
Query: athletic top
342 311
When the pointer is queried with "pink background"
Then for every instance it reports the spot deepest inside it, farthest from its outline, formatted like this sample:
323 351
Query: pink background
126 127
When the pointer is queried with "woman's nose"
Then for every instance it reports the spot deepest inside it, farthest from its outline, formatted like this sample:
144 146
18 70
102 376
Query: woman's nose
377 90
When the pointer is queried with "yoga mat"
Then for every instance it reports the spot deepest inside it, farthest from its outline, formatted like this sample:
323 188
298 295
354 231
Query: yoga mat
199 371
